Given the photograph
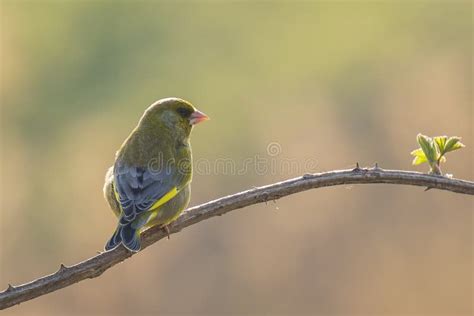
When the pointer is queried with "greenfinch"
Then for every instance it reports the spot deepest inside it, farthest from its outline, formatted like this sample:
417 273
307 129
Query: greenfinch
149 183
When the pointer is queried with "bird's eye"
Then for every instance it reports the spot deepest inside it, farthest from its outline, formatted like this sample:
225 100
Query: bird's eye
184 112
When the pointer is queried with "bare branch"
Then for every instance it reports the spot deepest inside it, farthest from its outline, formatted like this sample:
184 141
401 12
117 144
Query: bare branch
95 266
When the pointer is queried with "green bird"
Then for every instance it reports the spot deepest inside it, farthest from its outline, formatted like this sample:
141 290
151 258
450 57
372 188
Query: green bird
149 183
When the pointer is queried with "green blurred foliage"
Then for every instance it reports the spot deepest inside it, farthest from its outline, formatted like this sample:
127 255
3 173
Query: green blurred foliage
338 82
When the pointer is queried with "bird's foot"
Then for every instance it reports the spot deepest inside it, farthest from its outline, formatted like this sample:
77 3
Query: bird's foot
167 230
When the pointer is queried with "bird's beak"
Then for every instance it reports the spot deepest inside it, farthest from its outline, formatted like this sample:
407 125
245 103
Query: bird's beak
197 117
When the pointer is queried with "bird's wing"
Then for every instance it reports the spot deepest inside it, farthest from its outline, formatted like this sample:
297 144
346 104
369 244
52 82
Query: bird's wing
140 189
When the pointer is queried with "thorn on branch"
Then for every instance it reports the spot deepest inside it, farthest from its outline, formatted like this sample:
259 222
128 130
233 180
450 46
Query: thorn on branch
9 288
62 268
357 168
377 168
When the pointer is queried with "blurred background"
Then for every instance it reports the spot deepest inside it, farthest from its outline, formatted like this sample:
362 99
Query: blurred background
332 83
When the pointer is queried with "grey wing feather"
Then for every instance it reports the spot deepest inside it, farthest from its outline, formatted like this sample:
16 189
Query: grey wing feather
139 188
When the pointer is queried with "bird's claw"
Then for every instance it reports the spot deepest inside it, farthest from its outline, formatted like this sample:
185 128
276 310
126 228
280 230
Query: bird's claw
167 230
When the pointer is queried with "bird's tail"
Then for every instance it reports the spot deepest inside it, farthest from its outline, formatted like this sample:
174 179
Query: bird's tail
126 235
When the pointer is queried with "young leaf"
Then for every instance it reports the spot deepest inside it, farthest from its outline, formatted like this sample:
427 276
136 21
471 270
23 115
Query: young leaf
441 143
428 147
420 157
453 143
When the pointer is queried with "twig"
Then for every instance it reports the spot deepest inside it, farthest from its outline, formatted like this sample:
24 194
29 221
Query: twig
95 266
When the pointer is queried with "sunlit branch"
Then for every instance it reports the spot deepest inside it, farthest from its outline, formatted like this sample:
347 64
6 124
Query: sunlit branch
95 266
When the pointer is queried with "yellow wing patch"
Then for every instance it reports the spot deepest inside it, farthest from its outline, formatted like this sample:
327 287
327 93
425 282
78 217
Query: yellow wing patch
168 196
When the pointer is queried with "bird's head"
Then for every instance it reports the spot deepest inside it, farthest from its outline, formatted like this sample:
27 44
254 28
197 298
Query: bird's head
174 114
